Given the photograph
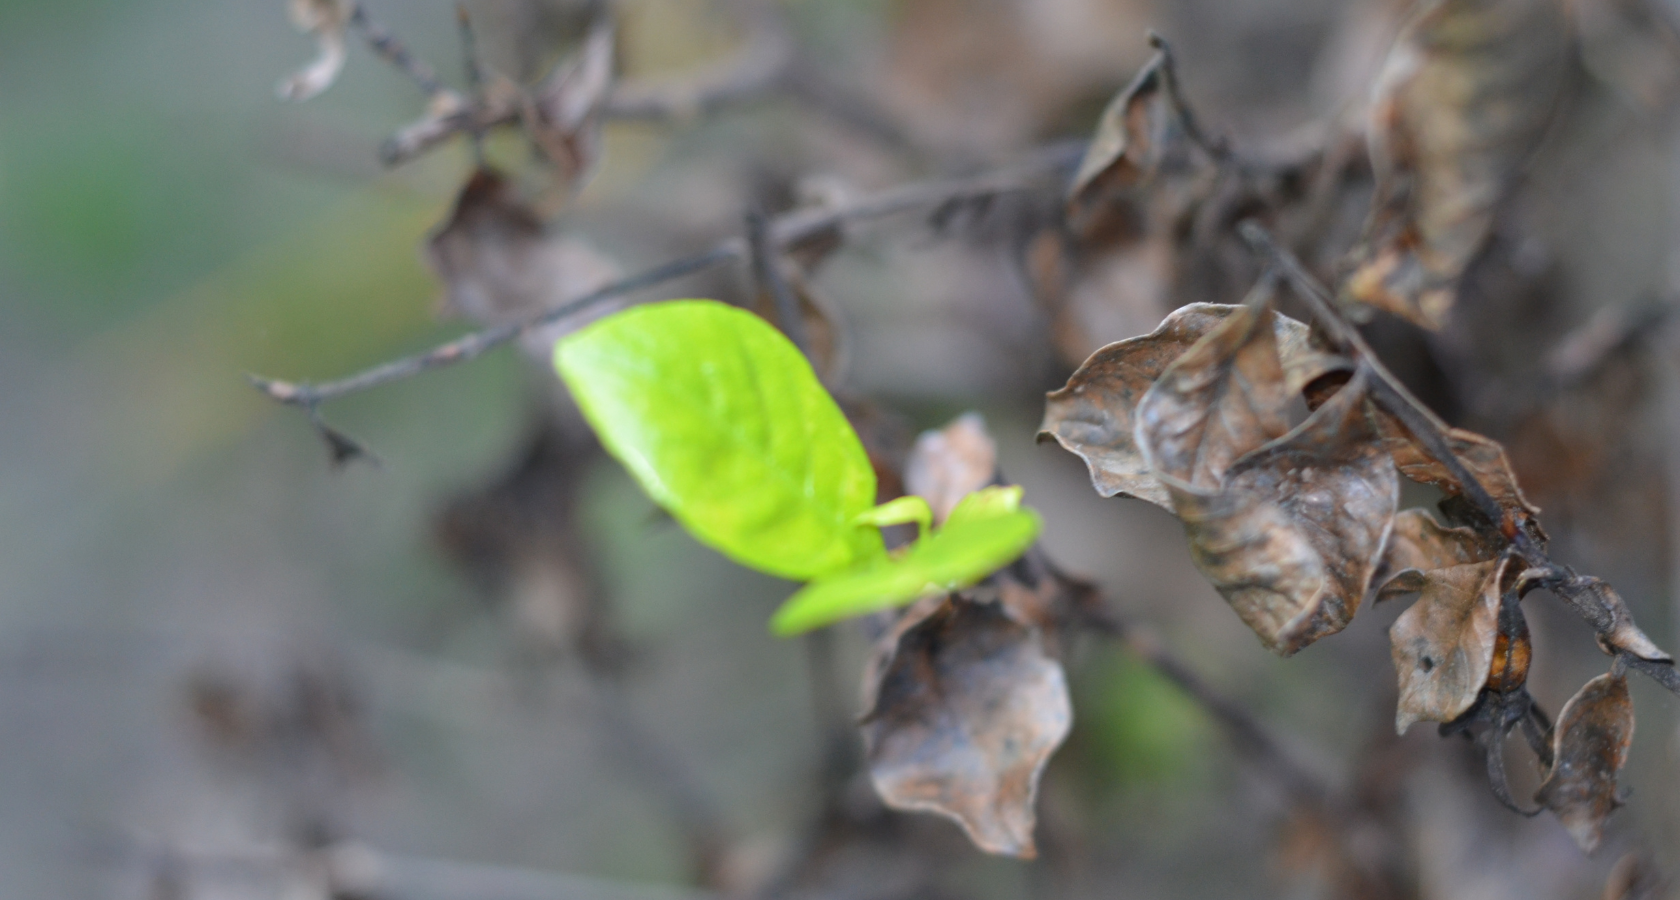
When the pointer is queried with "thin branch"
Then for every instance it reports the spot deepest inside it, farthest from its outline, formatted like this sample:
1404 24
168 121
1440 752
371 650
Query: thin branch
1386 390
768 273
385 44
1218 150
784 231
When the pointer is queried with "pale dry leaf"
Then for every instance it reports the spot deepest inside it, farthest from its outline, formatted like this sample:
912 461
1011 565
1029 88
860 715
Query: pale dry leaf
1294 531
1589 746
1443 646
1463 100
947 465
326 21
1419 545
963 709
562 113
1094 415
499 263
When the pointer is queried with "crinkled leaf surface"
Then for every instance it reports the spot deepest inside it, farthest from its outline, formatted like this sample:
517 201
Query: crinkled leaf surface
1292 533
1463 100
949 464
1443 645
724 424
963 708
1589 746
1095 414
962 553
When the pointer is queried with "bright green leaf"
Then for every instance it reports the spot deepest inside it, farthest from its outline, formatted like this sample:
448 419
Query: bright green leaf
722 421
906 509
954 557
986 503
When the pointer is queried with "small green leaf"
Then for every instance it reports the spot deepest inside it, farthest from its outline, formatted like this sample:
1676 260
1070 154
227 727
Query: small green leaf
986 503
722 421
954 557
906 509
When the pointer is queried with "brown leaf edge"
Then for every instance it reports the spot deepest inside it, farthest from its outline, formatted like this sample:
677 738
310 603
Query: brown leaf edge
963 709
1590 745
1093 415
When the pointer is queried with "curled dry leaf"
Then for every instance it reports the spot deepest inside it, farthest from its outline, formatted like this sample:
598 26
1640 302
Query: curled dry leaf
1294 534
1094 415
1590 744
963 708
325 20
562 114
499 263
1463 100
1484 457
1419 545
949 464
1443 645
1133 136
1220 399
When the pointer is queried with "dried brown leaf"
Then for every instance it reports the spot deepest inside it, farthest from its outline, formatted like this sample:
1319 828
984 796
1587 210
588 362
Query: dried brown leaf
1217 401
1419 545
1294 531
1589 746
946 465
1130 141
499 263
324 20
562 114
1483 457
1094 415
1443 645
1463 100
963 708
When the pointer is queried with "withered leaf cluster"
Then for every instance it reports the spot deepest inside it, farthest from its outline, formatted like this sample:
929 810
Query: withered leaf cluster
1297 526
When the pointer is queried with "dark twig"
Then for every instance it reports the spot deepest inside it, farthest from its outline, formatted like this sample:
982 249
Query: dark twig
784 230
768 273
1218 150
475 76
1430 434
385 44
1386 390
